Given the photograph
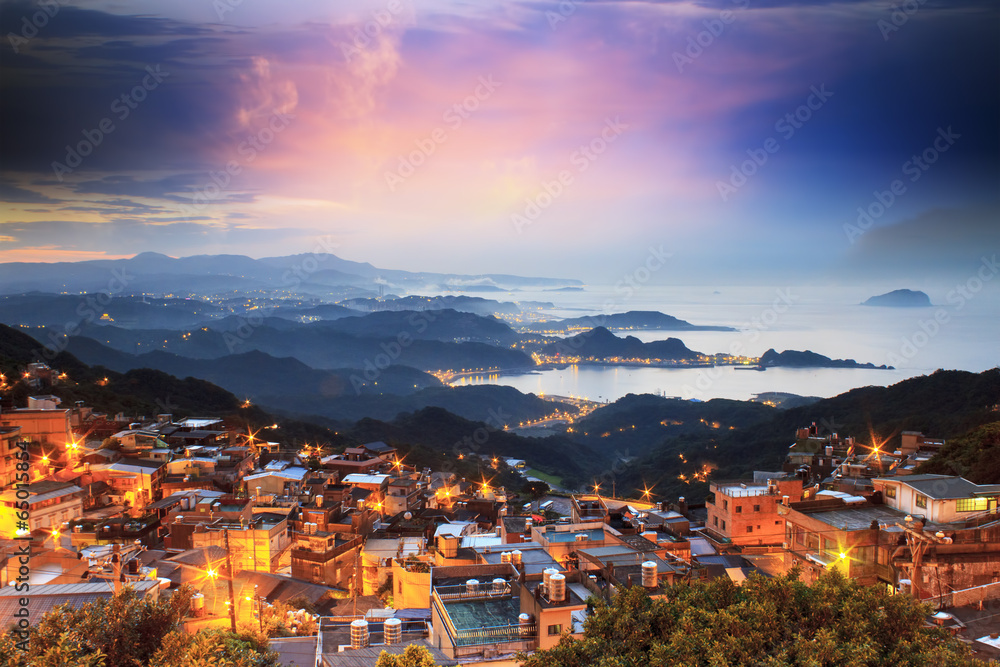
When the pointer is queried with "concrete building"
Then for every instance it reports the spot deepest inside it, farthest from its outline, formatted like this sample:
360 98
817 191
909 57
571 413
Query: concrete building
402 495
326 558
938 498
10 436
262 544
589 508
837 531
745 513
50 504
278 478
42 425
481 611
132 481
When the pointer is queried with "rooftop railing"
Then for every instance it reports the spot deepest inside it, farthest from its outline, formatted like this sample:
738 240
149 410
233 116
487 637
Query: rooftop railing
485 590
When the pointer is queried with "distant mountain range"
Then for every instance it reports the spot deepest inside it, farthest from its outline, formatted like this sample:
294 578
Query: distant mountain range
633 319
900 298
450 340
318 273
599 343
809 359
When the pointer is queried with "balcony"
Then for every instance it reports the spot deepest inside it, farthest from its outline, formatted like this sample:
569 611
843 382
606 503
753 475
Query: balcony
470 619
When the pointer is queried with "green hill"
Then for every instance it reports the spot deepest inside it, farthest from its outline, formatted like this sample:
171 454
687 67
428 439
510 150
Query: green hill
945 404
975 456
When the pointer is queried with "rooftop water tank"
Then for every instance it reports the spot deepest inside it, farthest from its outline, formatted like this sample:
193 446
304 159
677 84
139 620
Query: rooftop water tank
359 633
393 633
557 587
649 574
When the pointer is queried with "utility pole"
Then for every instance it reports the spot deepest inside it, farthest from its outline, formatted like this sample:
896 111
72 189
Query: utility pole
116 561
229 581
918 542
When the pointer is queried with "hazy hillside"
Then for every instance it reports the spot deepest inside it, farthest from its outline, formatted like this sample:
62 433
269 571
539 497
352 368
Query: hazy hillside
372 341
434 434
255 374
639 422
478 402
208 274
288 385
975 456
599 343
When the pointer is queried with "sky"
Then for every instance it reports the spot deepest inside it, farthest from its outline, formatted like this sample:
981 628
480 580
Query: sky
749 140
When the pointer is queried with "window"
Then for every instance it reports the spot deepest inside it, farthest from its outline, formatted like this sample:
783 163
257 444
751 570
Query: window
739 509
777 523
723 525
972 505
921 500
864 554
890 492
715 521
555 629
756 508
725 504
749 529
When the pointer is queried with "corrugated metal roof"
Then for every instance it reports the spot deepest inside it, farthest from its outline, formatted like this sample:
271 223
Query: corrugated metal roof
943 487
293 472
482 540
358 478
455 528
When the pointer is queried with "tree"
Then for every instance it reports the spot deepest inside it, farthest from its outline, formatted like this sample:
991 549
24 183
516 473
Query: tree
67 650
535 490
214 648
274 619
414 656
125 629
768 622
128 630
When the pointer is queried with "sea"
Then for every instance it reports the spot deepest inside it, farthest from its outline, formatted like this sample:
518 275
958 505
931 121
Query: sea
961 331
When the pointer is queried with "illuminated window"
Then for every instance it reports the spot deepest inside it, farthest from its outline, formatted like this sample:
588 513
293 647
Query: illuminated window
890 492
555 629
921 500
972 505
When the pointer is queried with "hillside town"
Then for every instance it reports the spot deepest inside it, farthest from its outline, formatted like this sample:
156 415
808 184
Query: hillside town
360 552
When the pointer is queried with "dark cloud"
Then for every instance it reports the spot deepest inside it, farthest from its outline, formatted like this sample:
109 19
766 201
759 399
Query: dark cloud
15 195
69 21
173 187
939 243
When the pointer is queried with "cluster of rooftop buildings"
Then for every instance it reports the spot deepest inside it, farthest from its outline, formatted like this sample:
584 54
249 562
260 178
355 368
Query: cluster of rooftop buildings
863 510
388 555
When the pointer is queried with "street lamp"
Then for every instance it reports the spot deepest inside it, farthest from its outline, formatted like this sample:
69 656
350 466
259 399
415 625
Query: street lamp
256 606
